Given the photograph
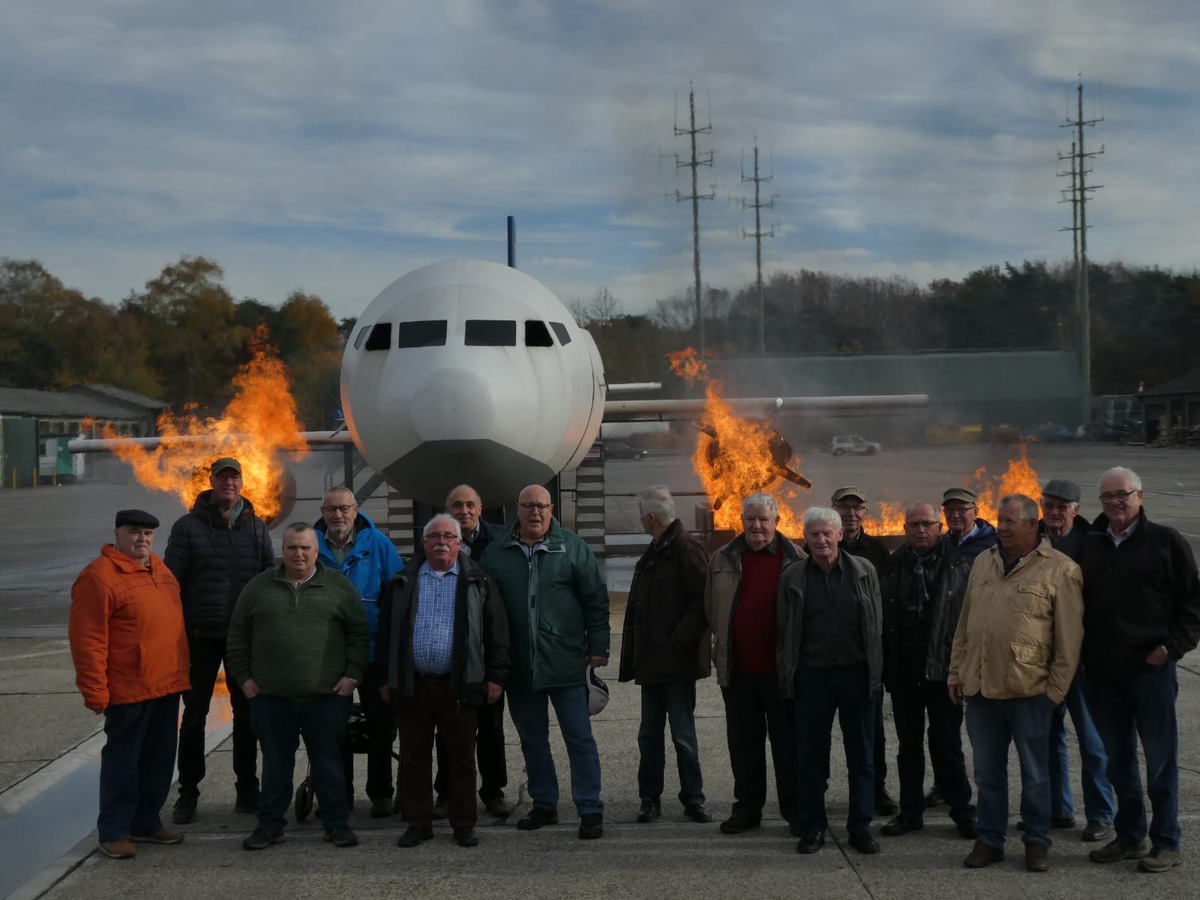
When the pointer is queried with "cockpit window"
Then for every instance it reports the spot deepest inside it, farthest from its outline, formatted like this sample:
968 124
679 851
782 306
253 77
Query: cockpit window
360 337
537 334
426 333
560 329
491 333
381 336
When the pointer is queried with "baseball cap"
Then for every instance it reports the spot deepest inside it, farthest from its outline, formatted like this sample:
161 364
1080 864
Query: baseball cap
962 494
1064 489
225 462
849 491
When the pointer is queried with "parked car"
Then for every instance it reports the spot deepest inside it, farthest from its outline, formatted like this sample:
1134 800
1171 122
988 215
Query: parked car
620 450
854 445
1105 433
1052 433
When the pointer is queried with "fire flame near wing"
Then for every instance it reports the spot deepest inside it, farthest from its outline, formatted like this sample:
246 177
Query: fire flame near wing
735 457
258 425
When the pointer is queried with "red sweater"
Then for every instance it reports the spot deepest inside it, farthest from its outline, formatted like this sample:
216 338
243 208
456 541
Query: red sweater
754 618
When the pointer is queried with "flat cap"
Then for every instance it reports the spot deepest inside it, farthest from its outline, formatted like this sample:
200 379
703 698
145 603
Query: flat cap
1063 489
849 491
962 494
225 462
139 518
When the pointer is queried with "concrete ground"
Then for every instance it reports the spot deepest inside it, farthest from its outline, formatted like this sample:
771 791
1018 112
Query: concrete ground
48 747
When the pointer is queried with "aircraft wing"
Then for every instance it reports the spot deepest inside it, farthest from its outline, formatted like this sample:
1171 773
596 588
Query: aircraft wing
104 445
869 404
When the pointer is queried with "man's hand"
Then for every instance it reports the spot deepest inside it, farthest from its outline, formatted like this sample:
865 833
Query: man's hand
598 662
250 688
493 691
386 693
956 693
1158 656
344 687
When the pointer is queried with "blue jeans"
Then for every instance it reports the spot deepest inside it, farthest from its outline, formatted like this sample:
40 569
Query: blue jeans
676 702
992 725
1141 705
530 716
279 724
1098 802
136 766
819 694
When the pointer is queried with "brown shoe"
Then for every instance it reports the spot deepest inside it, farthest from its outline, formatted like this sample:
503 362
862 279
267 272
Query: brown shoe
983 855
1035 857
1115 851
162 836
118 849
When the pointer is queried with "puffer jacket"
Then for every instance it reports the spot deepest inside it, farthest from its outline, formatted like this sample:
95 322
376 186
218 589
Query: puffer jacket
983 539
1019 634
370 565
213 560
895 583
126 631
721 590
557 605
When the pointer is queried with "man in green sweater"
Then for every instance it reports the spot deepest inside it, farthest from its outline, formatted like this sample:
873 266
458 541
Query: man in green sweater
297 646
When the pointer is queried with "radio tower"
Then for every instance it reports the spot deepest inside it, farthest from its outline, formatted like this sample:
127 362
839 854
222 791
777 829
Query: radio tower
694 163
1079 197
758 234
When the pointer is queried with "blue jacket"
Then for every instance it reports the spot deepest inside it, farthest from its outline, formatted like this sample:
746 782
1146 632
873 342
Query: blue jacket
370 565
983 539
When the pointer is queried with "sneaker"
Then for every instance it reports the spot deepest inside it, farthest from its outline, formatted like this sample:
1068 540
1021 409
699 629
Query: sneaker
983 855
648 811
162 836
413 836
739 824
262 838
184 811
441 808
341 836
118 849
1115 851
538 818
1098 831
697 812
499 807
591 826
465 836
885 805
1160 860
381 808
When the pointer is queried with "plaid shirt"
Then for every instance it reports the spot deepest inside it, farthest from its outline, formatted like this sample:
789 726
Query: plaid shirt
433 628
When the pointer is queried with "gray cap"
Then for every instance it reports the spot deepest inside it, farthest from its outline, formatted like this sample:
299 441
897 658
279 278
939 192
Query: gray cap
1063 489
849 491
962 494
225 462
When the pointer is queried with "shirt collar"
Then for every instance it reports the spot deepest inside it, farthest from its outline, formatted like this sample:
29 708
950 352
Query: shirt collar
427 569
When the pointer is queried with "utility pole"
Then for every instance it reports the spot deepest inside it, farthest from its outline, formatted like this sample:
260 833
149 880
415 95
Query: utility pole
1079 157
758 234
694 163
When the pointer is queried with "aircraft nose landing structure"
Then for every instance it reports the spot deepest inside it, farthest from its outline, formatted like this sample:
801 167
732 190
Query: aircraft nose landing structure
470 371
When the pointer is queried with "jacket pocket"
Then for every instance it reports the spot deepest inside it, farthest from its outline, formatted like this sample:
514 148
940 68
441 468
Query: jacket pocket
1033 600
1029 670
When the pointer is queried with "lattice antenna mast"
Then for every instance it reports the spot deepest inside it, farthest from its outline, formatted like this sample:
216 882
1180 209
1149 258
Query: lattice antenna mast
758 205
694 163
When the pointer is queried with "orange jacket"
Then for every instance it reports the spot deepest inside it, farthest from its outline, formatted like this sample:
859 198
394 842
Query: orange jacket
126 629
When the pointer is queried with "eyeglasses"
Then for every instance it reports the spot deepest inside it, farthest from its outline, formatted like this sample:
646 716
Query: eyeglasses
1113 496
442 536
846 507
957 510
922 524
530 507
344 510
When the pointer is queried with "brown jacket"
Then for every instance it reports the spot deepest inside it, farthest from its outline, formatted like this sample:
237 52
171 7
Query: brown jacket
1019 634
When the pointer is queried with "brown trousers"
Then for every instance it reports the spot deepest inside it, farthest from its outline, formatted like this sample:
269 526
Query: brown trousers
432 709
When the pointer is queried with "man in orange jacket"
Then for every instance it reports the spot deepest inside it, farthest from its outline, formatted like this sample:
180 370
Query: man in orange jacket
131 664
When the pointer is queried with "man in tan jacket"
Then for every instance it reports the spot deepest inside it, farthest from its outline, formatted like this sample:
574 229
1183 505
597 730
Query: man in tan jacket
1014 657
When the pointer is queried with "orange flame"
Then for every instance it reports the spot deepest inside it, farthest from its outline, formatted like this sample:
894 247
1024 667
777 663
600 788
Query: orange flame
256 427
688 365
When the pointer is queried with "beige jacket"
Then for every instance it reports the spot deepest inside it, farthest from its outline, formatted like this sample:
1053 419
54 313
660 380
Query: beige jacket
1019 634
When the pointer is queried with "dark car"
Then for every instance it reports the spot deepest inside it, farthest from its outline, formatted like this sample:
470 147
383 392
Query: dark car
1105 433
619 450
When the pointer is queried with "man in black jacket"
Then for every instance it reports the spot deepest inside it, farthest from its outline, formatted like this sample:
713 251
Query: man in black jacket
214 551
1141 602
923 587
666 648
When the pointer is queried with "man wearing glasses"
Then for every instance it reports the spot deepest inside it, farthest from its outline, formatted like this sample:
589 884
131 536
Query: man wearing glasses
1141 615
923 588
557 605
349 542
970 534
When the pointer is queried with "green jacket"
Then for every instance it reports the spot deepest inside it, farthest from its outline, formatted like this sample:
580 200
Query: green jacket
297 642
557 605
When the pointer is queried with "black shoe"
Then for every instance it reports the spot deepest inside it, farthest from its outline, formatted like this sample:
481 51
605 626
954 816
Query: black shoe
811 842
441 808
381 808
901 825
795 830
1062 822
413 836
966 827
185 810
697 812
863 842
648 811
246 803
1098 831
499 807
934 798
738 824
465 836
341 836
261 838
591 826
884 804
538 818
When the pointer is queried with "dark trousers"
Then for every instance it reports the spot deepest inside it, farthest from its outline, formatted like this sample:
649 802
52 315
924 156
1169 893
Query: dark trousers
489 754
754 713
675 703
433 709
910 705
279 724
381 735
819 694
880 746
136 765
207 655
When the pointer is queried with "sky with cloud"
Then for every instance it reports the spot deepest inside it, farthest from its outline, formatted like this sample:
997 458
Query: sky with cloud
331 147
